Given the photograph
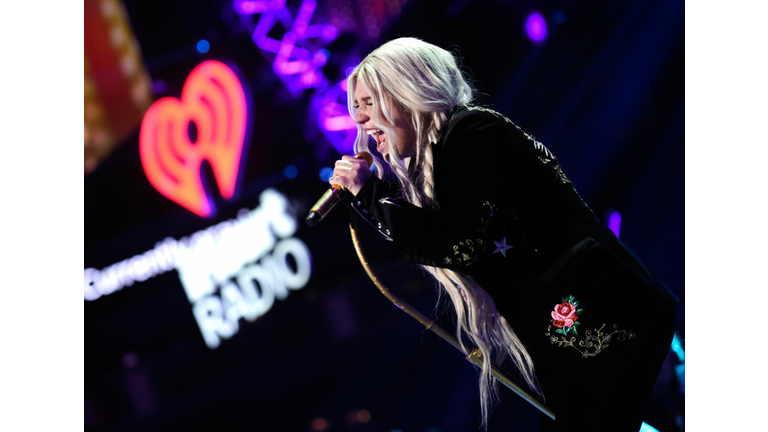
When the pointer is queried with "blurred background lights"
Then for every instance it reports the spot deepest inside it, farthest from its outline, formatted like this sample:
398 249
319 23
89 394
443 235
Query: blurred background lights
558 17
319 424
250 7
648 428
203 46
614 222
159 86
130 360
677 347
330 33
291 171
321 57
326 173
363 416
536 27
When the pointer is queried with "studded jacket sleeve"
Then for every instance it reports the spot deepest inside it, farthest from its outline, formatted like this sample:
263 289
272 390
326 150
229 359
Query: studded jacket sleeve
423 236
476 187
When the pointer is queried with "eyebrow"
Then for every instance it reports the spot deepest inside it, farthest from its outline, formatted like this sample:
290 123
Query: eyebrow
364 99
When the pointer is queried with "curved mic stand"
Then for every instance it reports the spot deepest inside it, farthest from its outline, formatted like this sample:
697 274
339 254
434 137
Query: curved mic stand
474 356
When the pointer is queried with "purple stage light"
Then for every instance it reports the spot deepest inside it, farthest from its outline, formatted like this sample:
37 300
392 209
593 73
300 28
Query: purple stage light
299 58
159 86
301 53
321 57
329 32
337 123
536 27
130 360
250 7
333 117
614 222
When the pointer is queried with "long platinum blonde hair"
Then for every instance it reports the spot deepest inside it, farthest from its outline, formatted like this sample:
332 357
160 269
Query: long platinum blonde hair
425 82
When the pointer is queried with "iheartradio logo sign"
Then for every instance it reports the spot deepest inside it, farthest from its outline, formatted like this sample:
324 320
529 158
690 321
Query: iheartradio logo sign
214 101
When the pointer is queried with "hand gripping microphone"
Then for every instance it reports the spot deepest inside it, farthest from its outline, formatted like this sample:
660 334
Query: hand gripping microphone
332 196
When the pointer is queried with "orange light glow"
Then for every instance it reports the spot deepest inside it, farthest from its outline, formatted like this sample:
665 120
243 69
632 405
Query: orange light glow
214 100
363 416
319 424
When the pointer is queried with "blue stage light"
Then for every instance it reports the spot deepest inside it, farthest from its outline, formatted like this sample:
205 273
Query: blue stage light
203 46
677 347
326 173
647 428
291 171
558 17
536 27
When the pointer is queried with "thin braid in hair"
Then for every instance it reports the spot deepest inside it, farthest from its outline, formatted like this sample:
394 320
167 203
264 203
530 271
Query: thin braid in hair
428 172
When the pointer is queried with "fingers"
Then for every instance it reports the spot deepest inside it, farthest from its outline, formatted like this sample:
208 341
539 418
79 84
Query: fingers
338 183
349 166
348 162
339 179
350 173
352 159
343 172
343 177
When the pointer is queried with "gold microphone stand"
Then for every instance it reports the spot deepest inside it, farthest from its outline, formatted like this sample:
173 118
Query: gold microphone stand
474 357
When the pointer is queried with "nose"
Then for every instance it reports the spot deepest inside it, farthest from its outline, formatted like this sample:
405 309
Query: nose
361 117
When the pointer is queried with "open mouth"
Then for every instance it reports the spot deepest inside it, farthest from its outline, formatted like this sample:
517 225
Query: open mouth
378 135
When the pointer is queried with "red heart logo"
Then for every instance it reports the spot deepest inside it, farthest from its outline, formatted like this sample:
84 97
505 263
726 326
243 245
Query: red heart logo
212 98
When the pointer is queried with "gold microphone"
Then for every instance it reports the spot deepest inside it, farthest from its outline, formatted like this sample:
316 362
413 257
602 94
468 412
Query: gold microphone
332 196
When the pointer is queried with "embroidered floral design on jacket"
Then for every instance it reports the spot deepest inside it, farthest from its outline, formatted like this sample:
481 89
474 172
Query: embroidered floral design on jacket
565 316
468 252
565 320
463 250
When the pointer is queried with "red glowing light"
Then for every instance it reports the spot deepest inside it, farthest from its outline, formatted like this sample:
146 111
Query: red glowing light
214 100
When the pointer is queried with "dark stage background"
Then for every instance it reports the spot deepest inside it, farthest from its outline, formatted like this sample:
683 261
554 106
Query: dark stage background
604 91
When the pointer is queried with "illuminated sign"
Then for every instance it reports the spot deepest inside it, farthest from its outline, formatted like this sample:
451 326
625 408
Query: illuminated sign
213 101
333 117
298 60
300 54
232 270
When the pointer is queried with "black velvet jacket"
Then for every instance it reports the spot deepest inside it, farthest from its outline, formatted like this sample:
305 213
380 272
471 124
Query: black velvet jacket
503 201
509 217
491 181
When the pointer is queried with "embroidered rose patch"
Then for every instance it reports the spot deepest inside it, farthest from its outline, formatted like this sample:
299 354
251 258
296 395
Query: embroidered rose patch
565 316
565 319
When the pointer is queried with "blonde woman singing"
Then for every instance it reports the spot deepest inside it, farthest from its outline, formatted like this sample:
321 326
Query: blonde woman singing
533 276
